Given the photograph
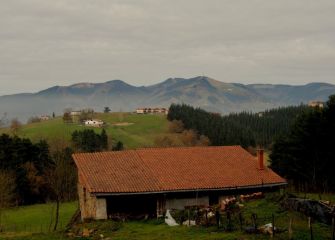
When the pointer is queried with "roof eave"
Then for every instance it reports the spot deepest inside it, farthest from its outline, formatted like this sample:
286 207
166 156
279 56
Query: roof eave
269 185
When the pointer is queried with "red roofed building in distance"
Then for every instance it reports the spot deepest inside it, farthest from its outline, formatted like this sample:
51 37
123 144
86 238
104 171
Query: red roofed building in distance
151 180
156 110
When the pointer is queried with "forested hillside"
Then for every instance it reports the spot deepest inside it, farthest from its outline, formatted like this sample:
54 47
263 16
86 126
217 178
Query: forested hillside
246 128
305 155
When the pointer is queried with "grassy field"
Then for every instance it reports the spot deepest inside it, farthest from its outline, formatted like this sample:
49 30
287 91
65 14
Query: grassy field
37 217
137 131
154 229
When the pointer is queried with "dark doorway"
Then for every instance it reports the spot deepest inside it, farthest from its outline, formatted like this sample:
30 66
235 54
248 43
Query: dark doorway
132 205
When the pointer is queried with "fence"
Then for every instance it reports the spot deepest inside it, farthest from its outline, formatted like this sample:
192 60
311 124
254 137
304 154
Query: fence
296 226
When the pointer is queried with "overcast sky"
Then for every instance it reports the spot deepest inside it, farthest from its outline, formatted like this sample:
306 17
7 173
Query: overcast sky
60 42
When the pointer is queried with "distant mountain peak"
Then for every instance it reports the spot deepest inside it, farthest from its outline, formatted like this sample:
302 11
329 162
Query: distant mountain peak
83 85
116 81
199 91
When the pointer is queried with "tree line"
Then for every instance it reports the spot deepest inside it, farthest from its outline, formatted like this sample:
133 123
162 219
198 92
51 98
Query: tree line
31 173
245 128
30 166
306 154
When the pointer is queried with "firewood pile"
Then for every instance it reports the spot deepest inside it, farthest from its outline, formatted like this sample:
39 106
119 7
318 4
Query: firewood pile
253 196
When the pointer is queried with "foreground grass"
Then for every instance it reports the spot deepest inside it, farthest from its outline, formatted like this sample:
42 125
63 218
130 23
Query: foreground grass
141 131
37 218
153 229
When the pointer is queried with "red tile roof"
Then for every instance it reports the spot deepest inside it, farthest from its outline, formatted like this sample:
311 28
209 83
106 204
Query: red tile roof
172 169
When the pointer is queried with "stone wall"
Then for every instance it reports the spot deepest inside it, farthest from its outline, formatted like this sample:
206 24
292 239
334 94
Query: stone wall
90 206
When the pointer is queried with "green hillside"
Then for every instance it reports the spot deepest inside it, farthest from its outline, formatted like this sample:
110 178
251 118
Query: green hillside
132 129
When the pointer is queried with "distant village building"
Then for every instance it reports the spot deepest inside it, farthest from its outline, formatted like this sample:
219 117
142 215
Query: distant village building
153 180
44 117
75 113
319 104
94 123
260 114
152 111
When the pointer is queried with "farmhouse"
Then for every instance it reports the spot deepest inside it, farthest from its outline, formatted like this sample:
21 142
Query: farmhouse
319 104
44 117
75 113
94 123
152 180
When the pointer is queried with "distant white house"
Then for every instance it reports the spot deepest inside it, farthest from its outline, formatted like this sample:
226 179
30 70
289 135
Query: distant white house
319 104
94 123
152 110
44 117
140 110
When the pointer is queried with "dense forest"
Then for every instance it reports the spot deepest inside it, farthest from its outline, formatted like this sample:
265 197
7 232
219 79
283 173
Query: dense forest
245 128
34 174
30 169
306 155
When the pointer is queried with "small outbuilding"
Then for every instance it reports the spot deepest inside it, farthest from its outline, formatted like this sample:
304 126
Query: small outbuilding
152 180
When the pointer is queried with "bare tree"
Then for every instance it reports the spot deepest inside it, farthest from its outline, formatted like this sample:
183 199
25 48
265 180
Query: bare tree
15 126
176 126
189 138
7 186
61 180
203 141
67 110
86 114
167 140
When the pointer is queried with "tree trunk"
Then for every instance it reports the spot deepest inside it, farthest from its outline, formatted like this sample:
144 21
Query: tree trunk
57 214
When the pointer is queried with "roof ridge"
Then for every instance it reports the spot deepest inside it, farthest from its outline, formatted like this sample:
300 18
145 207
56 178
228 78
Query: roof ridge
186 147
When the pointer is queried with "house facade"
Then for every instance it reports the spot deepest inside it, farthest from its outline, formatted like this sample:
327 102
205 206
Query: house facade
94 123
319 104
155 110
44 117
150 181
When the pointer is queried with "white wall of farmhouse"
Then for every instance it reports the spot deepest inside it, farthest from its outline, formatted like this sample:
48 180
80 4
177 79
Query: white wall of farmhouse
101 209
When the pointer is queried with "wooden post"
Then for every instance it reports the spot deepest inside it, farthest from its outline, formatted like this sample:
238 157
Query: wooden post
217 217
229 228
310 227
290 229
254 220
333 230
241 221
189 220
273 225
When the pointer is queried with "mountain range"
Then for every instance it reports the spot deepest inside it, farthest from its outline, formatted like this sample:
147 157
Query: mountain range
204 92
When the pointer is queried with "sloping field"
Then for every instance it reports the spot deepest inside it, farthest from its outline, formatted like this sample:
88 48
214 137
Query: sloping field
131 129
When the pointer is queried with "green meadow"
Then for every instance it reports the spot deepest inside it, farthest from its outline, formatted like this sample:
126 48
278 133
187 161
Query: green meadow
133 130
33 219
